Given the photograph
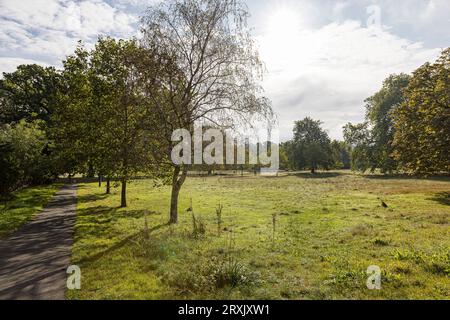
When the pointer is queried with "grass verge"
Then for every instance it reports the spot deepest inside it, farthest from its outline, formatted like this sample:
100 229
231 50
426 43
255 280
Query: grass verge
287 237
25 204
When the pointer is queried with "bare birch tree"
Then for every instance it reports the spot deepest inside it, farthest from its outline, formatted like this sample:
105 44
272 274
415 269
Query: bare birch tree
217 75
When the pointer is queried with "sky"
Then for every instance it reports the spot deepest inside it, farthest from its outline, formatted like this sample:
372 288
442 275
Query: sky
323 57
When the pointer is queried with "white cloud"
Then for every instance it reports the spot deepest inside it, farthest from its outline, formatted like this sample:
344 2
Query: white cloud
9 64
83 18
48 30
326 73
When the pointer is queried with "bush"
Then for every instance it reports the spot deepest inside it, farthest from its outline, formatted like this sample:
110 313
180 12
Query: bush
24 156
213 274
232 273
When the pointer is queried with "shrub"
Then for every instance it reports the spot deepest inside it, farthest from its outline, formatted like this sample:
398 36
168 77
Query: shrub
207 276
198 225
232 273
24 156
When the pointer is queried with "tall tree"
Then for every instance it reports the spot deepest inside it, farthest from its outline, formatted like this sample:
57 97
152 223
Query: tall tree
422 121
28 98
28 93
379 110
124 79
72 115
216 79
287 155
372 141
358 137
340 155
312 145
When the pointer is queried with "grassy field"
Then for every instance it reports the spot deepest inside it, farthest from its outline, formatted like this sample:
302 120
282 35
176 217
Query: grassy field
23 206
289 237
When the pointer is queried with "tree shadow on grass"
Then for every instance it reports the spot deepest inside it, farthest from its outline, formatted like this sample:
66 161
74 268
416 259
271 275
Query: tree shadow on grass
95 221
136 214
91 198
442 197
118 245
99 222
406 177
318 175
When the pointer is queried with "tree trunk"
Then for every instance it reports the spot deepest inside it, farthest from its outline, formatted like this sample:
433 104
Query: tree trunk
174 204
123 198
313 170
108 186
177 182
91 172
99 181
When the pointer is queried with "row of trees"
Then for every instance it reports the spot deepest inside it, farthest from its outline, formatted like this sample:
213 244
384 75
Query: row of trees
112 110
407 128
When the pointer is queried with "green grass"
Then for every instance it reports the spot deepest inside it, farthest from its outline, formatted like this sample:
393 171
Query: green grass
328 230
25 204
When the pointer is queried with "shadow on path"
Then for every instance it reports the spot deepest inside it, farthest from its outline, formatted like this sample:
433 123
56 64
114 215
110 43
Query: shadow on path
34 260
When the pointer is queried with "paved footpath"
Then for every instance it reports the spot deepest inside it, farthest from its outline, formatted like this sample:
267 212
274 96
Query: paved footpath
34 260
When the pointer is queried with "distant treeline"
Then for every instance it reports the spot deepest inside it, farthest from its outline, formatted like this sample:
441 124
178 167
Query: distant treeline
407 129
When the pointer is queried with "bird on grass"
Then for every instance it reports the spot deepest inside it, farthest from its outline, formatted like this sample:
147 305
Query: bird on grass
383 204
190 209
